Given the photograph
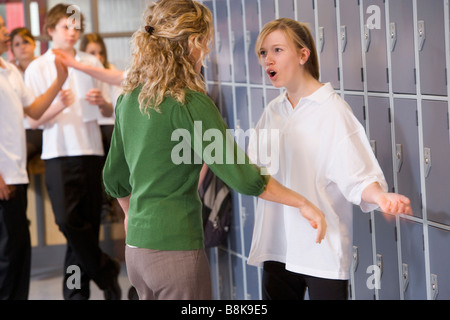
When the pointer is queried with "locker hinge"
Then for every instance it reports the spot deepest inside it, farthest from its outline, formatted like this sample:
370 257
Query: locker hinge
364 112
389 115
395 233
370 226
362 75
415 76
387 75
338 74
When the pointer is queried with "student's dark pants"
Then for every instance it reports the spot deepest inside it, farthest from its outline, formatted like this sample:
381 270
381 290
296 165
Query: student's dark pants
74 187
281 284
15 247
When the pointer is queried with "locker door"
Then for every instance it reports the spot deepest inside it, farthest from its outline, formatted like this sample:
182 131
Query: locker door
305 14
431 35
267 11
380 135
386 256
238 279
211 70
374 45
222 41
238 41
362 254
213 258
357 105
436 159
257 106
439 263
350 38
252 31
271 94
407 155
247 216
327 43
253 283
286 9
242 109
401 42
413 282
225 284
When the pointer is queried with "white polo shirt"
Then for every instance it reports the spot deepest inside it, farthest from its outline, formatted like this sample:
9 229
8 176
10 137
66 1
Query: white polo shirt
14 95
324 155
74 131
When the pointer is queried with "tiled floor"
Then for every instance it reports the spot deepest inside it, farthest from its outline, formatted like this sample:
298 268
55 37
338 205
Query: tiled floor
50 288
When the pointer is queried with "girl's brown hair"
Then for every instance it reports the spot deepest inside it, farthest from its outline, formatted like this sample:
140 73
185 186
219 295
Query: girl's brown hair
95 38
62 10
161 49
300 35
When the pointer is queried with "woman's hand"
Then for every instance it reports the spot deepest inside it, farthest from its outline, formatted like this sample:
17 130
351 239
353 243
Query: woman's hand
316 219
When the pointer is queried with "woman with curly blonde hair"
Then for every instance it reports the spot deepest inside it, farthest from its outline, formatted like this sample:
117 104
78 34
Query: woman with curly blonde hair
164 100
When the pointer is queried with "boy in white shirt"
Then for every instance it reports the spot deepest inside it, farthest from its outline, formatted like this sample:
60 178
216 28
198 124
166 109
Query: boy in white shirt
73 150
15 100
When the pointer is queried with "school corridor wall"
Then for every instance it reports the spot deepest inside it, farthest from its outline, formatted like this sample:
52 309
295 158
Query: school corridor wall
388 59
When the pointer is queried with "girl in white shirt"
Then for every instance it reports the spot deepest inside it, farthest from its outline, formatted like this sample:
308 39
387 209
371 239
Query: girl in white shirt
324 154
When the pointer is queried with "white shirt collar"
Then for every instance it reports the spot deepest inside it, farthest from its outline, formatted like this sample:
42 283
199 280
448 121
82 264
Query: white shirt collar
318 96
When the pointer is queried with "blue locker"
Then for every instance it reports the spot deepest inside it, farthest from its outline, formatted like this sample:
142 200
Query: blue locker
271 94
253 283
238 41
358 108
439 240
248 218
305 14
225 277
386 256
211 62
237 274
286 9
327 46
407 156
252 32
242 108
401 46
267 11
213 258
413 282
362 254
436 160
258 105
350 39
380 135
374 45
222 41
431 35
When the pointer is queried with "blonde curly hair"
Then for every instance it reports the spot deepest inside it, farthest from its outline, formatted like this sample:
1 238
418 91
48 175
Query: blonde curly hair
161 59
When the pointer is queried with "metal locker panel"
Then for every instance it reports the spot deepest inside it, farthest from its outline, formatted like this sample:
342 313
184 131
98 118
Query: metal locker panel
407 153
413 260
436 160
380 135
267 11
226 105
213 258
374 45
242 109
238 41
225 279
327 47
235 236
439 240
258 105
252 31
387 257
350 38
222 41
362 254
286 9
247 221
431 35
401 46
212 67
305 14
272 94
253 283
238 278
358 108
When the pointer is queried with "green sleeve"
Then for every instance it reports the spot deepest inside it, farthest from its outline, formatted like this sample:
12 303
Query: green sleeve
220 151
116 173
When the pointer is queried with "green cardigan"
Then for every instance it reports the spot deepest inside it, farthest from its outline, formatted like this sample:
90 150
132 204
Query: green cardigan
152 159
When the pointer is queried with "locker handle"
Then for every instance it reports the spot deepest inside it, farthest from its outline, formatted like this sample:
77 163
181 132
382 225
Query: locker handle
434 286
355 258
421 33
427 161
398 156
321 38
405 276
343 38
380 263
393 35
367 37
